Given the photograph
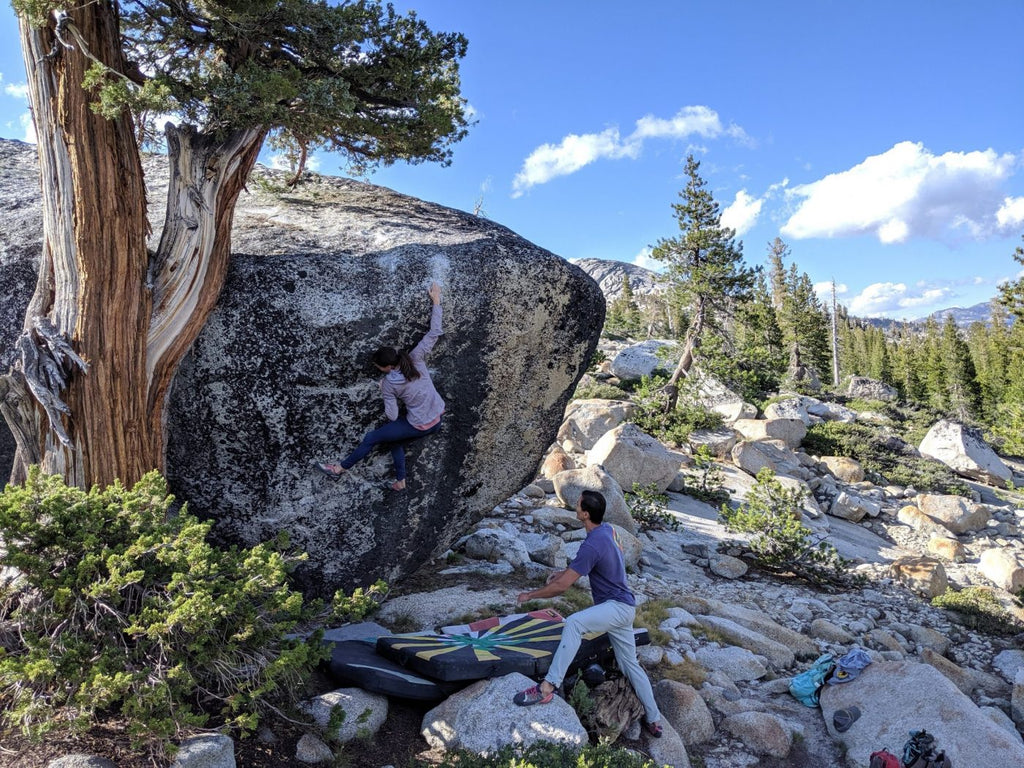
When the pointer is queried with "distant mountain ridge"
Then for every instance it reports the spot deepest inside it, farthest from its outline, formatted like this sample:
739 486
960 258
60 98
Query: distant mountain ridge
609 274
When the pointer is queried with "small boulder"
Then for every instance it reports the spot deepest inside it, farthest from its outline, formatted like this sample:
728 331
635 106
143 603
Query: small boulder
965 452
494 544
639 360
789 431
88 761
728 567
312 751
571 483
843 467
715 396
790 408
852 507
1002 567
365 713
753 457
762 733
719 441
956 513
947 548
863 388
923 575
586 421
207 751
483 719
687 712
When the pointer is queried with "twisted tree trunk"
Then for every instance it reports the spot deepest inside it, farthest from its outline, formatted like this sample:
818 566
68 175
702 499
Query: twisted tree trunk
107 327
90 297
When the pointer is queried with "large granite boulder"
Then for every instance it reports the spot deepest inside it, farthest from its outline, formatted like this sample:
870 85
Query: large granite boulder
965 452
633 457
280 376
21 242
896 697
320 276
586 421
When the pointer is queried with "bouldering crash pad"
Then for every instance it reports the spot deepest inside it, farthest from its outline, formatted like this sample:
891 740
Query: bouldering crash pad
356 662
525 645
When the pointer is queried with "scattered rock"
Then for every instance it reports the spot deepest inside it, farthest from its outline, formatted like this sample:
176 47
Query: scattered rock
482 718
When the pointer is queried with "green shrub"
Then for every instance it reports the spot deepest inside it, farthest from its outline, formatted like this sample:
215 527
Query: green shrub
704 482
125 609
672 427
866 444
978 608
647 507
781 542
600 390
545 754
837 438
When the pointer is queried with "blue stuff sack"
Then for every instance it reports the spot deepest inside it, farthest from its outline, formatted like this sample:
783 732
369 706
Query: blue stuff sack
849 665
807 686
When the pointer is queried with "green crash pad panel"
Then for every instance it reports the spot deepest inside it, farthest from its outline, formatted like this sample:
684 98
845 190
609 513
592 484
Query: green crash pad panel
525 645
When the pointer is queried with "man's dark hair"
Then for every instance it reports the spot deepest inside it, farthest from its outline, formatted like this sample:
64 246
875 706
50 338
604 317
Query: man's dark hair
593 504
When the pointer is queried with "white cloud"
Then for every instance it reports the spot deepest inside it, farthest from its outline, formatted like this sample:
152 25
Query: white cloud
17 90
549 161
686 122
643 259
906 192
25 118
894 299
742 213
823 290
576 151
1011 214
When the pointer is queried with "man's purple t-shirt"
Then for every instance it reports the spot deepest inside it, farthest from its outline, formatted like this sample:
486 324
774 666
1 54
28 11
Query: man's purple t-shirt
601 559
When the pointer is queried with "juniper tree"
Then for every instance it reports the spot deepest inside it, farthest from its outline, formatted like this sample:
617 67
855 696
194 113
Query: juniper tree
109 322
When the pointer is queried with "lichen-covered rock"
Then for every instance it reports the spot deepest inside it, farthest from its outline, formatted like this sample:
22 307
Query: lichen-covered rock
280 375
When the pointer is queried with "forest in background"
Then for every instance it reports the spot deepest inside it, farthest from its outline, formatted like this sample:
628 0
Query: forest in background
775 323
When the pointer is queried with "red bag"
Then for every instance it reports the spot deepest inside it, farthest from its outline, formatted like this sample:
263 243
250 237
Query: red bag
884 759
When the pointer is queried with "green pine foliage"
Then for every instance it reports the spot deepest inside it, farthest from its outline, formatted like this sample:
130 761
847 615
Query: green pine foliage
672 427
705 480
647 507
781 543
124 609
704 267
624 318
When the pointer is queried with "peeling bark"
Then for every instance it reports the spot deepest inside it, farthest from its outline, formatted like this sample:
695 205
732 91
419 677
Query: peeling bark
206 176
90 295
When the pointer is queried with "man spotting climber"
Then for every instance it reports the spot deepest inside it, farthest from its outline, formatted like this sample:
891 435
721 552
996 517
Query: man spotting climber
614 608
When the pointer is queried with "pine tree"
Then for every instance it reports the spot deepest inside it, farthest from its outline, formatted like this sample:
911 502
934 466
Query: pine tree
963 395
705 264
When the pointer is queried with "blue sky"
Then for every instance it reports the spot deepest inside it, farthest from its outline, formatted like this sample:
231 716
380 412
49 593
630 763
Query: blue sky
883 141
